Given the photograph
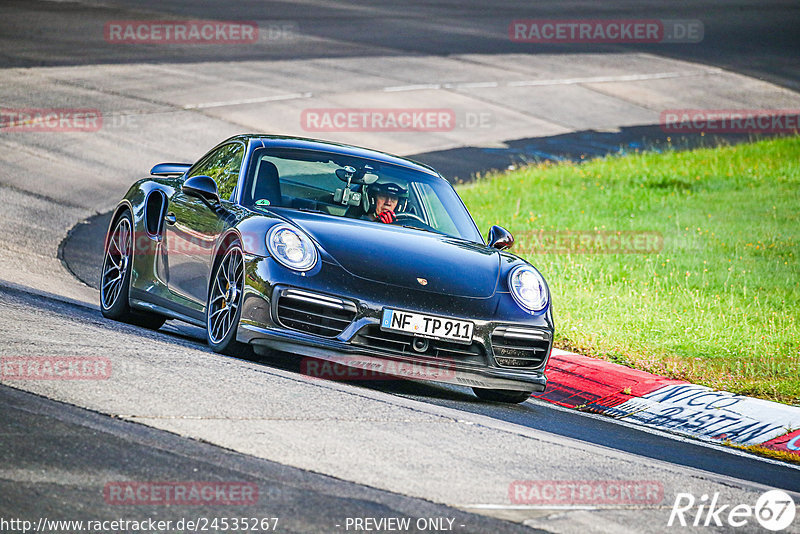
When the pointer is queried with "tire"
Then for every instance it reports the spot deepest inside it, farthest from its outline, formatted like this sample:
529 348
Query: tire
223 307
115 278
502 395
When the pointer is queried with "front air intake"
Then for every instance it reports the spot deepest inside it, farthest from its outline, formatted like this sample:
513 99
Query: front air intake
520 347
313 313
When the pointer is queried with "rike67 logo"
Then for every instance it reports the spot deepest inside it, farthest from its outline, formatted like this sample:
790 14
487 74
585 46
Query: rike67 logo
774 510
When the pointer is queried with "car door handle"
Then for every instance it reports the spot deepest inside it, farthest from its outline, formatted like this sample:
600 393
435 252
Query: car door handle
170 218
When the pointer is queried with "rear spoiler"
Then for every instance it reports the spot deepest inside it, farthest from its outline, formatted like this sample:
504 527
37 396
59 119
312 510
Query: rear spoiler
170 169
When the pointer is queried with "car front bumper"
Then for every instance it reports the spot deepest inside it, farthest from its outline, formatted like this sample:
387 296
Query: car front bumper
260 326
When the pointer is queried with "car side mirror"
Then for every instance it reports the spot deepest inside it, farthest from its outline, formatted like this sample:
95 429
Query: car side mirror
202 187
500 238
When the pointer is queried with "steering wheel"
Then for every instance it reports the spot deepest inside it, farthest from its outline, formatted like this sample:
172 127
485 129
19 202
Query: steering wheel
414 221
406 215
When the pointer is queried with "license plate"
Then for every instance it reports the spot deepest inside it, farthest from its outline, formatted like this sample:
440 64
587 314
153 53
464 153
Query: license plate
429 326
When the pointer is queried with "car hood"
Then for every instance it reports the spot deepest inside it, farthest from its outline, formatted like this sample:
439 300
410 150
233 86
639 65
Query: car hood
404 257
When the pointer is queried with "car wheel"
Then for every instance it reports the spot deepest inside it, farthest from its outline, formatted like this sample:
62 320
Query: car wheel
223 309
502 395
116 277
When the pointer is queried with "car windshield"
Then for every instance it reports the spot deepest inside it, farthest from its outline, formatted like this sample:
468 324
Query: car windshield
348 186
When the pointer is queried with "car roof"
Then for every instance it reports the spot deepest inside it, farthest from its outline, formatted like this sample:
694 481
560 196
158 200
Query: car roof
281 141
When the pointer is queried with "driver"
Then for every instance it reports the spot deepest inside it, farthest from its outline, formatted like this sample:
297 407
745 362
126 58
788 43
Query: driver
382 200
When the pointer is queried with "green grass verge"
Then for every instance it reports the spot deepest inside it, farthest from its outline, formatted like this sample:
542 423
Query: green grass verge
718 303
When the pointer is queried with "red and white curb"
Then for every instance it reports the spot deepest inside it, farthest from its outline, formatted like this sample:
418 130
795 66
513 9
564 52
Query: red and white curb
597 386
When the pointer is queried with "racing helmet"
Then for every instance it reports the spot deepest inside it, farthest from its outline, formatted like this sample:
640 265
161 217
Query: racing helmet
385 188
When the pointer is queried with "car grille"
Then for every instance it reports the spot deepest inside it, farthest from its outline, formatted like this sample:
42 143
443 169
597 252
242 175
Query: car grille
520 347
313 313
373 337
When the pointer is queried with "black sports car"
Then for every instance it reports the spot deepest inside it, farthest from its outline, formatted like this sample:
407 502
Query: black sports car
332 252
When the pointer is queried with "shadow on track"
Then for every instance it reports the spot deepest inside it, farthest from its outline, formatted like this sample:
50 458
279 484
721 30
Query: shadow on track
53 441
532 414
756 38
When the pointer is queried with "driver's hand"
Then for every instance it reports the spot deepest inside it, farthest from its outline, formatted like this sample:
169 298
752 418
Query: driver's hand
387 217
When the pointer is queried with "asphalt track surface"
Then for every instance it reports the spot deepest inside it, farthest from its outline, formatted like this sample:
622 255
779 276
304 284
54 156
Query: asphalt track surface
756 38
69 484
538 415
59 456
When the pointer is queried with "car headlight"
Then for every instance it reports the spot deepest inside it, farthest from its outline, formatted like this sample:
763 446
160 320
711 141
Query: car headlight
528 288
291 247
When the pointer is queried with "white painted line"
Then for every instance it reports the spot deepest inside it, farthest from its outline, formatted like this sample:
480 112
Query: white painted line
607 79
525 507
418 87
557 81
667 434
704 413
258 100
470 85
557 507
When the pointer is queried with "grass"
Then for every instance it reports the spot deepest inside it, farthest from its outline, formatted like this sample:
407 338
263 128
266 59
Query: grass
759 450
714 300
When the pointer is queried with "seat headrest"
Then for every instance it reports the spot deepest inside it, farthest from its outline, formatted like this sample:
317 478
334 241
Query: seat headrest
267 184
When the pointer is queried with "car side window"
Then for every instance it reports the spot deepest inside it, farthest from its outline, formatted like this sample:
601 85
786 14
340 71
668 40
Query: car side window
223 167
